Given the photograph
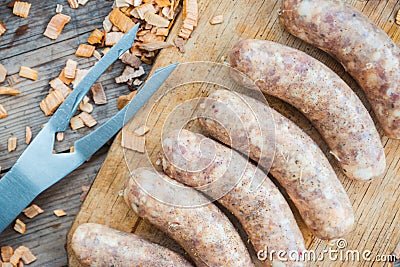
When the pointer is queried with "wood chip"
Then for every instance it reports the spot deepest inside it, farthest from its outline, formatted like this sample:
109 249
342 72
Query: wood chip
3 112
154 46
7 264
59 8
142 130
86 107
137 82
29 73
72 149
12 144
28 135
60 136
113 37
107 25
76 123
180 44
190 18
6 253
120 20
85 50
56 25
123 100
87 119
123 3
143 9
20 226
96 54
2 28
27 256
131 60
398 18
133 142
52 101
96 37
73 3
32 211
129 73
57 84
64 79
60 213
98 94
12 80
156 20
9 91
3 73
83 2
70 69
163 3
80 74
217 20
162 31
85 190
137 3
21 9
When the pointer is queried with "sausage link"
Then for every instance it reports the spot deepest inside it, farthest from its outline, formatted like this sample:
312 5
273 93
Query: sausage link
260 208
204 231
325 99
99 245
299 165
366 52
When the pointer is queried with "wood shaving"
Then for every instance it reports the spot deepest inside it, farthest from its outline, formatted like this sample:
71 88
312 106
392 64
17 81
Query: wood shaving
76 123
59 8
12 80
21 9
9 91
60 136
96 37
85 50
32 211
64 79
70 69
6 253
57 84
28 135
217 20
142 130
3 73
96 54
12 144
20 227
3 112
3 28
98 94
52 101
28 73
143 9
60 213
190 18
87 119
73 3
113 37
133 142
121 21
56 25
154 46
156 20
123 100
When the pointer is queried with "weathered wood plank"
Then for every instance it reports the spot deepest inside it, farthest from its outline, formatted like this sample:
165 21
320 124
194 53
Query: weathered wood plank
376 203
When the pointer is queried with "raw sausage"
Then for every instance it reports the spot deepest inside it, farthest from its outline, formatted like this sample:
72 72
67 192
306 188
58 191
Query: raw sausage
299 165
99 245
202 230
324 98
364 50
260 207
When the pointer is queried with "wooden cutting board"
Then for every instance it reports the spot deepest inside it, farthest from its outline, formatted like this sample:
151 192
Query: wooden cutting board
376 204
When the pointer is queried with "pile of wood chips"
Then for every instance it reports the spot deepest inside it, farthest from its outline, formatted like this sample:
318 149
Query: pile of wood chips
18 257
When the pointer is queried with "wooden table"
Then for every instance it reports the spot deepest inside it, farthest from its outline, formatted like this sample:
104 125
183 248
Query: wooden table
24 44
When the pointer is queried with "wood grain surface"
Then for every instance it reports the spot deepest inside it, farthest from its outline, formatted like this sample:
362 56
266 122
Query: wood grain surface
376 203
24 44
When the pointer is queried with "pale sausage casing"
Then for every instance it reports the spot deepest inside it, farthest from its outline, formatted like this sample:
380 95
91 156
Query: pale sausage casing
367 53
261 209
298 165
99 245
325 99
204 231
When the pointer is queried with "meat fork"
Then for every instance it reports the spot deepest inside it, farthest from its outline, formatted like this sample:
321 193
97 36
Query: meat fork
38 168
